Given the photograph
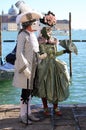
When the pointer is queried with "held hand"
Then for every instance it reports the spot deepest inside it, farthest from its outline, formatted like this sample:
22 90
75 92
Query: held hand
27 73
43 56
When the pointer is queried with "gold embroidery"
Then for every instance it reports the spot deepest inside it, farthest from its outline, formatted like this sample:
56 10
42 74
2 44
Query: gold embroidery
29 16
23 68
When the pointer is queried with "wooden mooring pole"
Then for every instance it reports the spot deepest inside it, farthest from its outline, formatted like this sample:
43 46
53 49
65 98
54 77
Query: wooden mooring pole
0 40
70 40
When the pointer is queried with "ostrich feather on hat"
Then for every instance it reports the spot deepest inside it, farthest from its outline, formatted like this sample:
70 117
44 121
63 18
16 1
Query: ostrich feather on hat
26 13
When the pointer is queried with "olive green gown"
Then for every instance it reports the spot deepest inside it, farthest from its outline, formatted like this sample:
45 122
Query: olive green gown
52 78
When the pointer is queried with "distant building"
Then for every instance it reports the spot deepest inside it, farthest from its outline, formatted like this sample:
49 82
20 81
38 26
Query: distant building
9 20
62 25
12 11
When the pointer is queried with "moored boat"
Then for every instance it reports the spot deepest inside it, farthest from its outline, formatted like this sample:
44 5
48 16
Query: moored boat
6 72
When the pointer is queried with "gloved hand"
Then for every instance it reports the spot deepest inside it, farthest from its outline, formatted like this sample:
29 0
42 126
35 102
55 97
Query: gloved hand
43 56
27 73
66 51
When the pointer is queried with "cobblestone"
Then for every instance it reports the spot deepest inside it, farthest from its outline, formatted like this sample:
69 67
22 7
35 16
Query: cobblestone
73 118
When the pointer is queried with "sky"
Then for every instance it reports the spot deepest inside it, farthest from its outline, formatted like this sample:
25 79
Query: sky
61 8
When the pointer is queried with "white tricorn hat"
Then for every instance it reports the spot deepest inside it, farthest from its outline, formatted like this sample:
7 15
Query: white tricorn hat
27 14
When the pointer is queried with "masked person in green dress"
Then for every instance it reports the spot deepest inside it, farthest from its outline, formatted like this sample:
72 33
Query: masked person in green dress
52 74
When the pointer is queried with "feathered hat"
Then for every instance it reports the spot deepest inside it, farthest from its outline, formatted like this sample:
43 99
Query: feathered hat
26 13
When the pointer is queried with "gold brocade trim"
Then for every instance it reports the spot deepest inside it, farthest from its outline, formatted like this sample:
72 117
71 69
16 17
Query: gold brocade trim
23 68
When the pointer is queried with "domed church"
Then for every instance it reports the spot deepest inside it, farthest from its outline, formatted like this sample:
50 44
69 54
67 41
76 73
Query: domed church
12 11
9 20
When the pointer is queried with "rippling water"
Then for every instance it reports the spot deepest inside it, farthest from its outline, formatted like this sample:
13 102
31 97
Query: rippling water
11 95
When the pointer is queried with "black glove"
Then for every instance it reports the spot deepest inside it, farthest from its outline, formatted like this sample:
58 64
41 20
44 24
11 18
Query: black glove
66 51
25 95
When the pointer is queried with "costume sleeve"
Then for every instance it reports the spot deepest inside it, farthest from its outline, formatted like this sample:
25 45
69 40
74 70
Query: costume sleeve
23 63
58 53
42 49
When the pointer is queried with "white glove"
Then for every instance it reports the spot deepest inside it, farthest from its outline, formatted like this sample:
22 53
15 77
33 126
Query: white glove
27 73
43 56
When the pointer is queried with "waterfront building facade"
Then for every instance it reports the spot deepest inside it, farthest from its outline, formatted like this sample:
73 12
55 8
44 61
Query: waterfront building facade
9 20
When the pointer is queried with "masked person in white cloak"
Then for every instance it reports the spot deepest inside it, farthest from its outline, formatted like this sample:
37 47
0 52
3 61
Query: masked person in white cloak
26 58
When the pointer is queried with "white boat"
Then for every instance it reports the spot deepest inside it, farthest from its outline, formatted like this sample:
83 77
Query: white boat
6 71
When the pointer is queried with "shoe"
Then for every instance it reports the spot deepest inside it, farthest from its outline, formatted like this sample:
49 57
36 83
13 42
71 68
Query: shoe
57 112
33 118
46 112
23 119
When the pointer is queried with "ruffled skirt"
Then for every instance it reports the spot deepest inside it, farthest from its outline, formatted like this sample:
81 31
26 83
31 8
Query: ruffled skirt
52 80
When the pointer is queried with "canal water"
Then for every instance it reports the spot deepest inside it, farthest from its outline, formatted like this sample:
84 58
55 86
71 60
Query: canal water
11 95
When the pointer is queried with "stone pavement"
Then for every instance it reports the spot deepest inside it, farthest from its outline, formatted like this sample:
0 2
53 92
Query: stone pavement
73 118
